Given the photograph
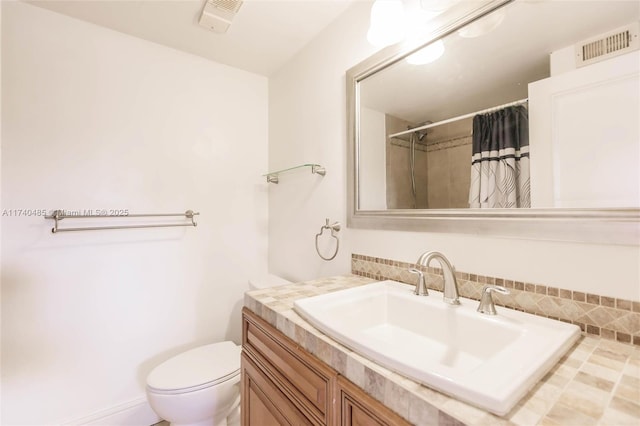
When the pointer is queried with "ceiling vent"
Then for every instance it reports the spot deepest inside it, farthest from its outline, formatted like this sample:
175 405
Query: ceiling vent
218 14
613 43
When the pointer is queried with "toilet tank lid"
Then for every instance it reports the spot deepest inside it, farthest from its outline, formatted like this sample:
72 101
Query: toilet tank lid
196 367
266 281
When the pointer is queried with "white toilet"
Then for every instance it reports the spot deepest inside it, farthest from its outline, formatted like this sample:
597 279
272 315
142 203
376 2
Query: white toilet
198 387
266 281
201 387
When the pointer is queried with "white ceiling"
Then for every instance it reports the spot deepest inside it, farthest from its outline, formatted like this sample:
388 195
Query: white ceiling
264 35
478 73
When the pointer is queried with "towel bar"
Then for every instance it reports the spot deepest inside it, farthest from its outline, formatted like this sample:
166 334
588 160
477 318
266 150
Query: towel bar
58 215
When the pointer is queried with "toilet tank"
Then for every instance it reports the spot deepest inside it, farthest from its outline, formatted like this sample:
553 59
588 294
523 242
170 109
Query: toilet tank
266 281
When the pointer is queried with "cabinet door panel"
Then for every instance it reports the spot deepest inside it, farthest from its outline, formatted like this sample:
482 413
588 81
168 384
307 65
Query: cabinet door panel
259 412
299 375
356 408
262 402
356 416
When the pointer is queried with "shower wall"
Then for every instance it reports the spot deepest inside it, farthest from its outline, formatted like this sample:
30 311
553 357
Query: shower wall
399 195
449 165
442 166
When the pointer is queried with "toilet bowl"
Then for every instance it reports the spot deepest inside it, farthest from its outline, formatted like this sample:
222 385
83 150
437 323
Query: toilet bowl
198 387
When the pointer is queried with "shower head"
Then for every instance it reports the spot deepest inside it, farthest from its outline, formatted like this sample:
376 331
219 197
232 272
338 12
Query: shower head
421 134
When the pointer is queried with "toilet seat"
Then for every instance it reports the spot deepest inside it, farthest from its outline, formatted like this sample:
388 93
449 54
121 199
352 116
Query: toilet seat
196 369
194 388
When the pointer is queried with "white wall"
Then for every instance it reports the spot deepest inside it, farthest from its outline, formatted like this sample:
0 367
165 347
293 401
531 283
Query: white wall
1 206
373 160
307 124
93 119
307 121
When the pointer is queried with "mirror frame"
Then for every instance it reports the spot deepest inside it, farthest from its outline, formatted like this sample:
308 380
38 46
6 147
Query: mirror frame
585 225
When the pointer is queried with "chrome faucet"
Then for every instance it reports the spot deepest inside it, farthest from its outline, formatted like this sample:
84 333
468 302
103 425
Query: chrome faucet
421 285
486 301
448 273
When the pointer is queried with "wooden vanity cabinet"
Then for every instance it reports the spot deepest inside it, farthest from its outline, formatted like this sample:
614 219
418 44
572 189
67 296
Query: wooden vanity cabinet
281 370
282 384
356 408
262 401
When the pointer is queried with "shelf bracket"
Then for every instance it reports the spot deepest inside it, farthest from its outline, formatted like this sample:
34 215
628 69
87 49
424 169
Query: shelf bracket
318 169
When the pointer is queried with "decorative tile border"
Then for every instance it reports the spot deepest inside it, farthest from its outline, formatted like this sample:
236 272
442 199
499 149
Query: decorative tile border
610 318
433 145
449 143
407 144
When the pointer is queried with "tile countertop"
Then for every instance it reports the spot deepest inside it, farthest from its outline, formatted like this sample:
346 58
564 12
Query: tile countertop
597 382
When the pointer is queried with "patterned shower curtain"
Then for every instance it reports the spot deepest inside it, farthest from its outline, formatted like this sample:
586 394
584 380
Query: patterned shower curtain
500 161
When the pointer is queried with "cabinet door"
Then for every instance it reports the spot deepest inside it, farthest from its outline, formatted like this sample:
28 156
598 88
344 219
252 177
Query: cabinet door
261 411
359 409
262 403
584 134
303 379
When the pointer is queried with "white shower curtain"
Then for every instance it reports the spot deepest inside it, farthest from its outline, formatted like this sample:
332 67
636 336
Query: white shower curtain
500 161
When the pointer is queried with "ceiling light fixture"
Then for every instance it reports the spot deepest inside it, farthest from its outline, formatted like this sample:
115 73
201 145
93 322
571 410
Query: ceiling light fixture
387 23
395 20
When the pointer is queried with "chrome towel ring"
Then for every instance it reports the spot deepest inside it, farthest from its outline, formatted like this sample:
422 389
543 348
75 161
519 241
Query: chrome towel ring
334 227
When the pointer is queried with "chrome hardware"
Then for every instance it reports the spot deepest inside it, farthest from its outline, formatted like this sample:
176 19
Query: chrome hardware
58 215
318 169
487 306
421 285
450 291
334 227
273 177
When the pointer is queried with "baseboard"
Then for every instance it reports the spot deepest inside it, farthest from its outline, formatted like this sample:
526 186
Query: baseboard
136 412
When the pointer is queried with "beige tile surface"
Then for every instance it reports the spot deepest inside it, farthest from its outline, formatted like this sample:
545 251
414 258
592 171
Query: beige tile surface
596 383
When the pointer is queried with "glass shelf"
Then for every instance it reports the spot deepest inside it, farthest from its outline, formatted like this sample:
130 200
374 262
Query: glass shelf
272 177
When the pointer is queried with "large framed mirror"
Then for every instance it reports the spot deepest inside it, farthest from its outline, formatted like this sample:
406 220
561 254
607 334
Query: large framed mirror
510 118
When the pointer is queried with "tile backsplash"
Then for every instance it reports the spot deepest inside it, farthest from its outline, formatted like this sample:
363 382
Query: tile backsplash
610 318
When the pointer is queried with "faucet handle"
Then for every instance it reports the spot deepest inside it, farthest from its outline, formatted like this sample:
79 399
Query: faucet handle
421 285
486 301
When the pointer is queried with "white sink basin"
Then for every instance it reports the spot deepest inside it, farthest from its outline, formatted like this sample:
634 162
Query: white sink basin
488 361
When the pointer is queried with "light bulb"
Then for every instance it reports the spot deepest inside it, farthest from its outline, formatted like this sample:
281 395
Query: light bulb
387 23
418 21
427 54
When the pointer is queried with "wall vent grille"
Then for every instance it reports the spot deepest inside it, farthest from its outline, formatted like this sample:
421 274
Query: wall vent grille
217 15
231 6
607 45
